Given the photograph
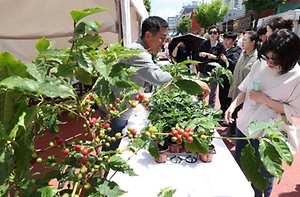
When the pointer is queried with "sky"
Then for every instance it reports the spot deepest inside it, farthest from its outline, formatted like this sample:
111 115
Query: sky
168 8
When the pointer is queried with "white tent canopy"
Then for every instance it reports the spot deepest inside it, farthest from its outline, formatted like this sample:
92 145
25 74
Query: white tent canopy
22 23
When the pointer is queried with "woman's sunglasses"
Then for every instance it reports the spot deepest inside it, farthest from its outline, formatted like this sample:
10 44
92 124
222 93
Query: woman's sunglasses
212 32
270 60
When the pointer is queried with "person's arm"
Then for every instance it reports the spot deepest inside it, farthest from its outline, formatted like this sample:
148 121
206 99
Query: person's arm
236 102
150 71
174 52
205 87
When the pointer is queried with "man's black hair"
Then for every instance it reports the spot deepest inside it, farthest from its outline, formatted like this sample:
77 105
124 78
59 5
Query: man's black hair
153 24
229 34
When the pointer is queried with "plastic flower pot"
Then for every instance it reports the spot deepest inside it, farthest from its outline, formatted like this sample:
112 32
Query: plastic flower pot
163 153
208 158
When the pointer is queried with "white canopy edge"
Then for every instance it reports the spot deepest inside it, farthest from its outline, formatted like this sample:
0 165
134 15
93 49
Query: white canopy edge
24 22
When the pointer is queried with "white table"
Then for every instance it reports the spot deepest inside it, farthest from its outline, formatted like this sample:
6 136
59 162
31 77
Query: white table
220 178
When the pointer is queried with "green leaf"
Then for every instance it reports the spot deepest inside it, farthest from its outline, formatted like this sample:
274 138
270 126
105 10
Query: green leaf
65 70
52 175
91 40
83 76
79 14
34 72
283 150
3 134
103 90
166 192
118 164
271 159
4 189
118 76
103 69
23 152
12 105
50 89
202 146
85 26
153 150
189 86
84 62
6 160
139 142
105 188
9 66
42 44
192 147
47 191
258 126
25 118
250 165
51 53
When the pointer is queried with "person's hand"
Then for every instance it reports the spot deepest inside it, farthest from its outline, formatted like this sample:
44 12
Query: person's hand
228 114
203 54
223 57
209 55
259 96
180 44
206 89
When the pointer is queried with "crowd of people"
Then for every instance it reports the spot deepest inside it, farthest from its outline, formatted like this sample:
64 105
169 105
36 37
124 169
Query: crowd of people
269 55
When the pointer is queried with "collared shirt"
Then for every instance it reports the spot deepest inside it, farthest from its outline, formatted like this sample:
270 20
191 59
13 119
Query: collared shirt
241 70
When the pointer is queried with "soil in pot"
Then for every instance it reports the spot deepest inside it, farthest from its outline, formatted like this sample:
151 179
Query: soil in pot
208 158
163 153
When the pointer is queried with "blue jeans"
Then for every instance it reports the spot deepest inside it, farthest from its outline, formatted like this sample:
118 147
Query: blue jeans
213 91
117 125
240 144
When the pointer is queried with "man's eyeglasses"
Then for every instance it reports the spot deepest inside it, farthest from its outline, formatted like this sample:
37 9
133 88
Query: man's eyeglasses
212 32
270 60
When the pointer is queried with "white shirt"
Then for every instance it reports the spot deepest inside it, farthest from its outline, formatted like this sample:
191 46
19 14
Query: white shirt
284 88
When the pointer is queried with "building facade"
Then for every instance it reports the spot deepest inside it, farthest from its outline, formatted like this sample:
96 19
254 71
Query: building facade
172 23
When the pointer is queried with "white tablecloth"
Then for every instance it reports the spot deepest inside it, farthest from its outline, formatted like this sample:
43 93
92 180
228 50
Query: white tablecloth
220 178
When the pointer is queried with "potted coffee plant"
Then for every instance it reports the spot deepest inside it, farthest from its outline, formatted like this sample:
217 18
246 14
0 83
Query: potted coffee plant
177 116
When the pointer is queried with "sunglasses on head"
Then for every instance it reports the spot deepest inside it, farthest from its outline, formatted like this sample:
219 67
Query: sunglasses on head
212 32
270 60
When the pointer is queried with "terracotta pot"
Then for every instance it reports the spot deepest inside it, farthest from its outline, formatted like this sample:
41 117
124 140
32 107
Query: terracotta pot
163 153
208 158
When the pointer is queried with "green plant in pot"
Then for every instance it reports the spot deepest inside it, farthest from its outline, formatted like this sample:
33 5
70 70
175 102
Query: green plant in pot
184 117
179 115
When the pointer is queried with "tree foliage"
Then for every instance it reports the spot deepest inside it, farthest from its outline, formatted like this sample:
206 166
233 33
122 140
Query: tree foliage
147 4
258 6
209 14
184 25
